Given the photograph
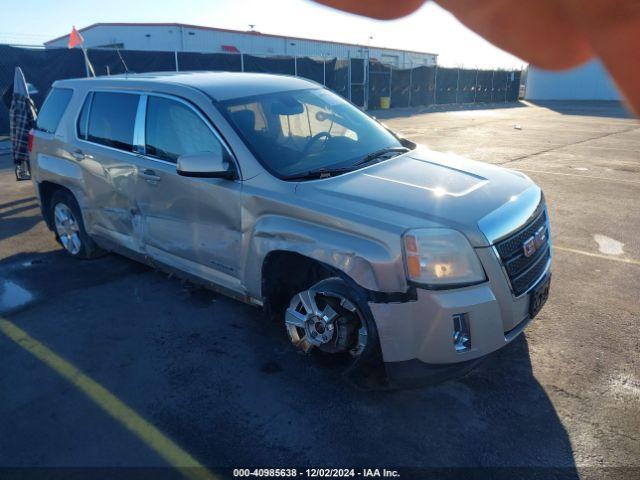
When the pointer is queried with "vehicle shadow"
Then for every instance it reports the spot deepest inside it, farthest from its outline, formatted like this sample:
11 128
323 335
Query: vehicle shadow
33 272
497 418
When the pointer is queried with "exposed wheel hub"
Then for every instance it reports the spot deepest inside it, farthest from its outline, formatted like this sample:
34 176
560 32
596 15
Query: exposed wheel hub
325 320
320 329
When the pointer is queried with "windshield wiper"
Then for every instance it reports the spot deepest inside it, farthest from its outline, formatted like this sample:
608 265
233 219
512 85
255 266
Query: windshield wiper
319 173
325 172
379 153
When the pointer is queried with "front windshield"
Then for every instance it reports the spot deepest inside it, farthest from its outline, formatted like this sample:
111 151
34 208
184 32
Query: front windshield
300 131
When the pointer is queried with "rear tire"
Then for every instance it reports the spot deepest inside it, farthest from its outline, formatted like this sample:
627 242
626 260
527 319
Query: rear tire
68 227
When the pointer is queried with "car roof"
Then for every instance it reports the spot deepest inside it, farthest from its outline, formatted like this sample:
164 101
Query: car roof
218 85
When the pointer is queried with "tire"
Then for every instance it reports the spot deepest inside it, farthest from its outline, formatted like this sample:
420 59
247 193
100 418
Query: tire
68 226
341 338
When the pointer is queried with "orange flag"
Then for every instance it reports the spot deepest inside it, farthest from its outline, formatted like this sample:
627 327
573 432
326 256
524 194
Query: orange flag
75 38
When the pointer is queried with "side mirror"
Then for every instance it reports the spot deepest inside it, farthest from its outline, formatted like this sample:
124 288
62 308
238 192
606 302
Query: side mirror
205 165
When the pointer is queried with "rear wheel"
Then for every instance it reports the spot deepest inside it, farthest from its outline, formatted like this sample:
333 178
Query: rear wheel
69 227
331 317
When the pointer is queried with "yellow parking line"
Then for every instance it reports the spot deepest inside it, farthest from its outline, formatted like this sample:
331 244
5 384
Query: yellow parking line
629 261
145 431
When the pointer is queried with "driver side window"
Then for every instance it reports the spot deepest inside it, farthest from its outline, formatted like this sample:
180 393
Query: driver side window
172 129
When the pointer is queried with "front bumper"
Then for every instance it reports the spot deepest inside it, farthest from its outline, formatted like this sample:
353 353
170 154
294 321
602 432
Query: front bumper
417 337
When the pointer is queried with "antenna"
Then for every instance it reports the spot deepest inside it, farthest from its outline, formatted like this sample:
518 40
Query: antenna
126 69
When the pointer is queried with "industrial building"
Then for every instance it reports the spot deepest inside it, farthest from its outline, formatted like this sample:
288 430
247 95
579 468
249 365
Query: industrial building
192 38
587 82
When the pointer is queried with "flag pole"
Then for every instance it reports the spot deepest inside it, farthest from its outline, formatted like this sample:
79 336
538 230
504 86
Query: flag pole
87 63
75 39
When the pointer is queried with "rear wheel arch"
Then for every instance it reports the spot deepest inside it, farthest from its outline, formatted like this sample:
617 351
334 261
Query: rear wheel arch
63 198
47 191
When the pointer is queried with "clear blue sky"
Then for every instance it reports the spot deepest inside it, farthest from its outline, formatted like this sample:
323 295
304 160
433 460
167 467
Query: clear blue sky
430 29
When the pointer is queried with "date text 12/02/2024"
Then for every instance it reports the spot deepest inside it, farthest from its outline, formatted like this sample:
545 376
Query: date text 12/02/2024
316 472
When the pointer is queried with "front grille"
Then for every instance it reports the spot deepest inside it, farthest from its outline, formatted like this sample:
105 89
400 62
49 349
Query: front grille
524 271
526 279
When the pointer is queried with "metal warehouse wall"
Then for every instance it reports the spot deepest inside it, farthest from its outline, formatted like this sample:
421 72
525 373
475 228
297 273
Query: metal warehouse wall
588 82
186 39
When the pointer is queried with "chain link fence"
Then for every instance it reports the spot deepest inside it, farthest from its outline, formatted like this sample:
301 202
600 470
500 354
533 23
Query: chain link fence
367 83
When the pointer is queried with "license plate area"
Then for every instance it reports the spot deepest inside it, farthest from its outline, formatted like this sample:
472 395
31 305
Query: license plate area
538 296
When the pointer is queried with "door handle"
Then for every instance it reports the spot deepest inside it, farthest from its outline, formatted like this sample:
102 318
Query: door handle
80 155
149 175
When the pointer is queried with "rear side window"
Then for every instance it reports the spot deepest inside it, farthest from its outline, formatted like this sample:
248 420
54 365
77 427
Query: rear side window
112 117
53 109
173 129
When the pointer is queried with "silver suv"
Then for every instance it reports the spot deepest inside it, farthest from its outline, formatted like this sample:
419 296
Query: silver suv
279 193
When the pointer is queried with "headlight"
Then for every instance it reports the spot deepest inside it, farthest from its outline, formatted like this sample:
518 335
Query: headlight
441 257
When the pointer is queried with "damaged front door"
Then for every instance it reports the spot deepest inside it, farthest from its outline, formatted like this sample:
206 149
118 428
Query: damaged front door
190 223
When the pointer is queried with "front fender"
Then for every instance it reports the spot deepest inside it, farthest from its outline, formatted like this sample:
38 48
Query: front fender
370 263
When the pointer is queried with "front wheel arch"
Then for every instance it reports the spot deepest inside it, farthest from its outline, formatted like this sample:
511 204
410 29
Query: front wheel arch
284 272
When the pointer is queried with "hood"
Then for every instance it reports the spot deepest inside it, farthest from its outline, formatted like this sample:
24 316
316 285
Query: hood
423 188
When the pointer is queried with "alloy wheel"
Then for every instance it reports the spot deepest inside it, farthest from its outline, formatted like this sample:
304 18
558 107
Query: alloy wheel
67 228
325 320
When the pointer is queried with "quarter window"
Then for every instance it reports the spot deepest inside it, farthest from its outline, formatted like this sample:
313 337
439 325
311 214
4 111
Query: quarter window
173 129
53 109
112 119
83 120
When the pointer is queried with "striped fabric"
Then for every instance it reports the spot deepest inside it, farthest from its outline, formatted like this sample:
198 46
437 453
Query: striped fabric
22 118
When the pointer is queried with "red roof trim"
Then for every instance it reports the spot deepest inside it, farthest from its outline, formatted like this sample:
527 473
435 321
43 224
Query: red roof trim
200 27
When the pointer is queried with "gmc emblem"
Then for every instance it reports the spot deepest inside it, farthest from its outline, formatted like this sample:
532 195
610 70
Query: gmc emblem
532 244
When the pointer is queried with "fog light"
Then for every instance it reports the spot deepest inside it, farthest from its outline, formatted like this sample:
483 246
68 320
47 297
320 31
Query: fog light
461 332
